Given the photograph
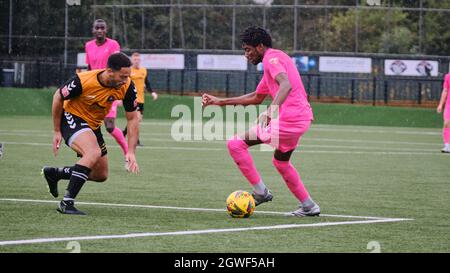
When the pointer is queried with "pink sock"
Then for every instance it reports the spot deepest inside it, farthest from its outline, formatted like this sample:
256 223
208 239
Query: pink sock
118 136
446 135
292 179
239 152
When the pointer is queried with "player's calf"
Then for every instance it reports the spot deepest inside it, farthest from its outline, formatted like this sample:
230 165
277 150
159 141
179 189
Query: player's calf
51 176
98 176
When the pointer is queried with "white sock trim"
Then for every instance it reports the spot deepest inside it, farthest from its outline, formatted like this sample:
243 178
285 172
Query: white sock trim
259 188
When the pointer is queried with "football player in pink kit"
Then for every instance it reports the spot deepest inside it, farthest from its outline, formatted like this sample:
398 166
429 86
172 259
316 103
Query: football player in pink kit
445 103
97 54
282 82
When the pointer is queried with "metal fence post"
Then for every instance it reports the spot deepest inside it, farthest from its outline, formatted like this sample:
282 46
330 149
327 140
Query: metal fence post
196 81
61 73
227 85
374 94
38 69
419 94
352 99
182 82
245 82
385 92
168 81
308 91
318 87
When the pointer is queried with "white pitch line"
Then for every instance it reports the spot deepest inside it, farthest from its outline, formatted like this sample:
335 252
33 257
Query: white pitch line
334 128
315 127
179 148
190 232
190 209
170 138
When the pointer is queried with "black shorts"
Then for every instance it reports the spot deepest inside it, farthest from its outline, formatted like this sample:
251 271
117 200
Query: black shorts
72 126
140 107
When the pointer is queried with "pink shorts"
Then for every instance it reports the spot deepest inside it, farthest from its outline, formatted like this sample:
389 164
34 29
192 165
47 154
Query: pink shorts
447 112
113 111
282 135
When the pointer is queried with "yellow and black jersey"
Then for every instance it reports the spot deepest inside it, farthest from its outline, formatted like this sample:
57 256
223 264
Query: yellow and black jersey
139 76
88 99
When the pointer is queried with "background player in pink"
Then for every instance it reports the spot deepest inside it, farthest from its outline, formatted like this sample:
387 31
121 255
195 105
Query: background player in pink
99 49
288 117
97 54
445 103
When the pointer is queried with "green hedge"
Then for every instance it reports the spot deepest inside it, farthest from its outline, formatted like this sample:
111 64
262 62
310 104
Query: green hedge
37 102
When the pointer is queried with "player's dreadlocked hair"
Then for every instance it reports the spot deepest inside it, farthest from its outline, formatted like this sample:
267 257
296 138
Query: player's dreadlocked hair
118 60
256 35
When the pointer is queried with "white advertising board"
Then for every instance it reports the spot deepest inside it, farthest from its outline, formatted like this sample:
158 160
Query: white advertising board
416 68
221 62
345 64
162 61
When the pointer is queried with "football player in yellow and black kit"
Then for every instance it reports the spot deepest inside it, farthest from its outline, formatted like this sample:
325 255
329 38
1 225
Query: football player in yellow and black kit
140 79
78 110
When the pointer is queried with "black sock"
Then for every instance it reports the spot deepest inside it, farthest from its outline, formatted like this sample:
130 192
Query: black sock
80 175
64 172
124 131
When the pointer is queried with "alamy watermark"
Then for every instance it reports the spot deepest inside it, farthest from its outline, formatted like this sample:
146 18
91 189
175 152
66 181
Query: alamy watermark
74 247
215 123
375 246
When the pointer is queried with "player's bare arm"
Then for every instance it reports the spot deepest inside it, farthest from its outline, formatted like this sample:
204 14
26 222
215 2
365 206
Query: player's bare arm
248 99
57 109
133 135
442 101
283 92
149 89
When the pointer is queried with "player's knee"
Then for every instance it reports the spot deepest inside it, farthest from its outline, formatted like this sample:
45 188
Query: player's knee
101 178
235 144
93 155
282 156
280 165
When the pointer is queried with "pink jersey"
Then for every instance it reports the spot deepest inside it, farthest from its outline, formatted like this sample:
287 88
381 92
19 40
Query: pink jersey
97 56
447 86
296 106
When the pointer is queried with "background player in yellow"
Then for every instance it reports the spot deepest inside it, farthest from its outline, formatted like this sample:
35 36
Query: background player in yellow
140 79
78 110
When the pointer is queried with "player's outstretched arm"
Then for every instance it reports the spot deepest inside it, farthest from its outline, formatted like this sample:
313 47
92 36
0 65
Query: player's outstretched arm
247 99
133 135
149 89
57 110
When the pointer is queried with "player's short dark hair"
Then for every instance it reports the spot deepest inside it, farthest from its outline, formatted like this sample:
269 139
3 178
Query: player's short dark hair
118 60
255 36
99 21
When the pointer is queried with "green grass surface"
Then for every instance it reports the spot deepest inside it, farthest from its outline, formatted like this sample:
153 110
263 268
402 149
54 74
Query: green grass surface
37 102
349 170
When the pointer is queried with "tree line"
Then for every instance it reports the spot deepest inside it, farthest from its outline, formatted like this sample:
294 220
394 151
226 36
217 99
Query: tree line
38 26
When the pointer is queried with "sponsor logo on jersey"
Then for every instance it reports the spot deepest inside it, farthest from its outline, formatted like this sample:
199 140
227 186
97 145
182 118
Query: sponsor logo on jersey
65 92
273 60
